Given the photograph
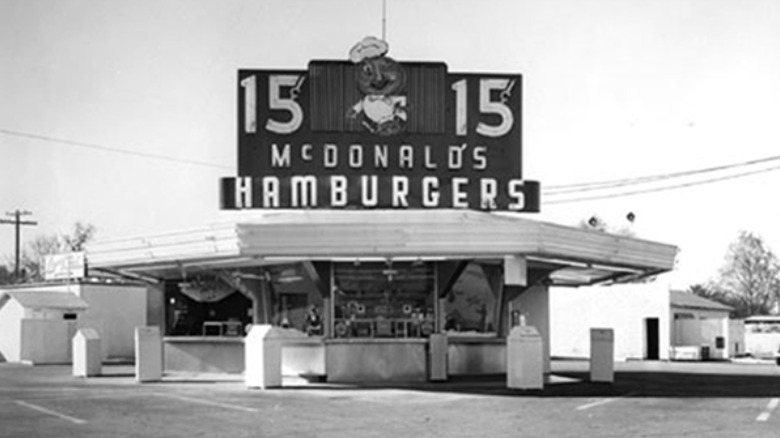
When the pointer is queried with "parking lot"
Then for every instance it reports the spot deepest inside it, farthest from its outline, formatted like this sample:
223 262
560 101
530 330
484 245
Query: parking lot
647 399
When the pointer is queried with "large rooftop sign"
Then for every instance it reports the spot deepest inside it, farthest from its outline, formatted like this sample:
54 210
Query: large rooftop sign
375 133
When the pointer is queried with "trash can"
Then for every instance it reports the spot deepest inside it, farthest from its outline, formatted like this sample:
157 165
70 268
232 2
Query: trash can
602 355
87 353
525 363
263 357
148 354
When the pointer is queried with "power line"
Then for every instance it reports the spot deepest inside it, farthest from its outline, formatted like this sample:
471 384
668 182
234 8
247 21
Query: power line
113 149
550 191
605 184
660 189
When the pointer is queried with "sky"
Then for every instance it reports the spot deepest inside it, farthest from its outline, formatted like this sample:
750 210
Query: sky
122 114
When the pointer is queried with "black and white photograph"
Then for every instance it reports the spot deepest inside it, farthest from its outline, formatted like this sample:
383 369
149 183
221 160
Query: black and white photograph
389 218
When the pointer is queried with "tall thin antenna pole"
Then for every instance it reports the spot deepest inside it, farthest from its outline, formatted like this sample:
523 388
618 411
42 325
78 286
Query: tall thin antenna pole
18 222
384 19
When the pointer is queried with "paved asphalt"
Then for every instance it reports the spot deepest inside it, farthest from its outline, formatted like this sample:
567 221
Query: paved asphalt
647 399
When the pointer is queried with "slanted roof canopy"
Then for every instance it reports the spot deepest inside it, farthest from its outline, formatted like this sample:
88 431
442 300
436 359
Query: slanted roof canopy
577 256
686 300
35 299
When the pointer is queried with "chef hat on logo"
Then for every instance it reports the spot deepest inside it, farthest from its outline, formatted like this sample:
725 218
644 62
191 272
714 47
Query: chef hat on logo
369 47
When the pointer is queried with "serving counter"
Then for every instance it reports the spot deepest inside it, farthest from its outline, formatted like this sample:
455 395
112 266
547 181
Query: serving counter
376 359
204 354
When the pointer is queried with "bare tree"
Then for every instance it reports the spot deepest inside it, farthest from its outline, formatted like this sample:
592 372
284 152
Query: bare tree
6 276
81 234
33 256
710 293
749 277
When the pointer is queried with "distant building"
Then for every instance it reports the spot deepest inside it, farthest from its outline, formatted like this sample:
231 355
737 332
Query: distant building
36 326
649 320
112 308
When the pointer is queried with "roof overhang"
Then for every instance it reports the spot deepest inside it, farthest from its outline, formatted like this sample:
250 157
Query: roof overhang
36 299
576 255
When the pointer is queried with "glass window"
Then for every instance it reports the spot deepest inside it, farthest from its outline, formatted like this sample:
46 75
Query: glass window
297 303
470 306
208 305
381 300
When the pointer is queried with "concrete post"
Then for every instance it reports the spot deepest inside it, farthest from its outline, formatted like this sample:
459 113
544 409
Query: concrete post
438 357
263 357
148 354
515 271
602 355
524 359
87 353
327 318
726 334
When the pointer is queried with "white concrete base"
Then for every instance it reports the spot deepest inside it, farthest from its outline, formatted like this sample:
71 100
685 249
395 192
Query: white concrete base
685 352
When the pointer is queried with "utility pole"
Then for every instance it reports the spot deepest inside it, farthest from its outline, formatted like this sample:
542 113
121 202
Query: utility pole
17 222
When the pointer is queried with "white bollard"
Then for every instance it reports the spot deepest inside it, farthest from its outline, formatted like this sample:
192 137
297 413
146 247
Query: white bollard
524 358
87 353
602 355
148 354
263 357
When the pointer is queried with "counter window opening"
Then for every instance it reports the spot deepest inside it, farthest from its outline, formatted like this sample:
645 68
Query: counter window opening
368 300
208 305
384 300
202 306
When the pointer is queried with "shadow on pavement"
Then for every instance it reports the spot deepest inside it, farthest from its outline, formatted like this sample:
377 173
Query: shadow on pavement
644 380
577 384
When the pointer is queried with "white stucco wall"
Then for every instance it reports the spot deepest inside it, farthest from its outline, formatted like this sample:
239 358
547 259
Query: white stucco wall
114 312
700 328
47 341
623 308
119 310
736 342
11 315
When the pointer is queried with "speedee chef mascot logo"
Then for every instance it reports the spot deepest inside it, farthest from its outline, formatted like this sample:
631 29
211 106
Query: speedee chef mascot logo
381 80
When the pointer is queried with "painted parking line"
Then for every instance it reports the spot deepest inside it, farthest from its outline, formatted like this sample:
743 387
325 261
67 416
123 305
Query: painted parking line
50 412
764 416
209 403
603 401
66 392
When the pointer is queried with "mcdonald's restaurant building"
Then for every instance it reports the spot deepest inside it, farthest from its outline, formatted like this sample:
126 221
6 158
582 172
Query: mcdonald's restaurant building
377 203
